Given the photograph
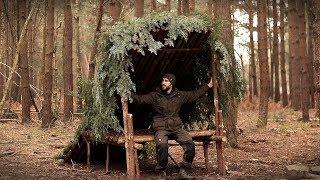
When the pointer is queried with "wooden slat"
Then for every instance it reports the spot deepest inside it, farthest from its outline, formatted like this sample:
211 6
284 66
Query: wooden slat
146 135
193 50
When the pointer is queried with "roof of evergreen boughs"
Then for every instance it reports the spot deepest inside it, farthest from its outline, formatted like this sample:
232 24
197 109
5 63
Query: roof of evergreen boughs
114 64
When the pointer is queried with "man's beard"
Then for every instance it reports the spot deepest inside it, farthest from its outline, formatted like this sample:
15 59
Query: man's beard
165 88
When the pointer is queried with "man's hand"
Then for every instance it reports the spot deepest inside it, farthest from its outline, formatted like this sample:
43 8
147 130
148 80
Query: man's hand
210 83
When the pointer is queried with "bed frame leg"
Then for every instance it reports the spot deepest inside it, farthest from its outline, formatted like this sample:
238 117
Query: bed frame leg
107 158
206 153
88 154
136 160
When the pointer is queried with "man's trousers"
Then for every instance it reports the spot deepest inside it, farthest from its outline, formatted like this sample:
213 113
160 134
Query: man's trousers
183 138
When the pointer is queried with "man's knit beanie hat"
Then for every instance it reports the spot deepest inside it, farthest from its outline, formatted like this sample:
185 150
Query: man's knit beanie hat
171 78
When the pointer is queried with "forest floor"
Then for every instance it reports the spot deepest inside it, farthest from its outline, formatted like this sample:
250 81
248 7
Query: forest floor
27 152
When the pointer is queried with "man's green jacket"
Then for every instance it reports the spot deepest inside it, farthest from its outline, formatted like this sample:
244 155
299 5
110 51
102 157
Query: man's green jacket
167 106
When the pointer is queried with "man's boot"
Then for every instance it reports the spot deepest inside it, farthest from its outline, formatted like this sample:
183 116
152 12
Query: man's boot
183 174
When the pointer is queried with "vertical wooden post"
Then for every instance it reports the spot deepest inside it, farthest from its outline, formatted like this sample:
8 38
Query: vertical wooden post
88 154
221 163
129 143
206 153
215 89
218 117
107 158
136 161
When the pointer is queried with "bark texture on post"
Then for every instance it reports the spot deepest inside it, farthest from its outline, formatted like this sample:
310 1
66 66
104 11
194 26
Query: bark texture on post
47 114
129 143
67 61
316 50
222 10
139 8
294 59
283 56
275 53
263 63
92 64
218 116
305 87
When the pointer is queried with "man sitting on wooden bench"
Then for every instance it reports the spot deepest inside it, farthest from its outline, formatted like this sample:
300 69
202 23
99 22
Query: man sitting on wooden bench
167 103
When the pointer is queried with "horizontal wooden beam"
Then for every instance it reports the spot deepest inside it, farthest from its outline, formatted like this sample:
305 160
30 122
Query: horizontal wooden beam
181 50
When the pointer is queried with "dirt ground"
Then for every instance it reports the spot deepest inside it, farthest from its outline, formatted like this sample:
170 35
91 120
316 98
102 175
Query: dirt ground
27 152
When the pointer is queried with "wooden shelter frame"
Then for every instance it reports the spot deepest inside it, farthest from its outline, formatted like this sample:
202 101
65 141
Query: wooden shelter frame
133 141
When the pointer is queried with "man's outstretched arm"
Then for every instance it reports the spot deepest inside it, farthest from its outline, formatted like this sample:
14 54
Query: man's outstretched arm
143 99
191 96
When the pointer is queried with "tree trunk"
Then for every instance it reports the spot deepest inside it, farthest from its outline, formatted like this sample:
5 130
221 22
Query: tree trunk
67 61
316 49
263 64
185 7
310 54
92 64
153 5
168 5
15 93
223 12
2 52
47 115
295 62
43 55
282 56
305 87
275 53
210 8
20 44
78 54
192 6
253 72
250 83
270 35
114 9
179 7
24 65
139 8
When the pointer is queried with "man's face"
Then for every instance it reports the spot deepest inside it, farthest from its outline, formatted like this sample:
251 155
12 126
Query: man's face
165 84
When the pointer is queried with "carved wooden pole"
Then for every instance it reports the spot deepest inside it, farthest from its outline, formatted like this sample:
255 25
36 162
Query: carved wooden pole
129 143
218 117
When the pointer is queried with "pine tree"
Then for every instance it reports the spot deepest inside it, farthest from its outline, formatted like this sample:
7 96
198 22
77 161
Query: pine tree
263 64
305 87
47 114
275 52
67 61
294 60
282 55
139 8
